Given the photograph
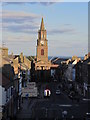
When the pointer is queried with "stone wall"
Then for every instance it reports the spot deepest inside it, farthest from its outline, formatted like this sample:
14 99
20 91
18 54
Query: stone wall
4 51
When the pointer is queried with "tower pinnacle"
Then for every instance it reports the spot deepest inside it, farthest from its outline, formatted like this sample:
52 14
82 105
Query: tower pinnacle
42 24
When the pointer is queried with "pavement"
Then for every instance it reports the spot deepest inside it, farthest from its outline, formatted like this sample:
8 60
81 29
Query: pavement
26 109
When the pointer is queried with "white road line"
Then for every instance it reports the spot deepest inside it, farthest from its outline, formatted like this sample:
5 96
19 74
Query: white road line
65 105
88 113
86 99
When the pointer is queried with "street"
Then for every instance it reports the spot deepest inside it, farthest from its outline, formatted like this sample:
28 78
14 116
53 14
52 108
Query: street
53 107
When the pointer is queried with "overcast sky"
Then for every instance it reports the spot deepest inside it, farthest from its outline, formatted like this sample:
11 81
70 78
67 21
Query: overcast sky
66 25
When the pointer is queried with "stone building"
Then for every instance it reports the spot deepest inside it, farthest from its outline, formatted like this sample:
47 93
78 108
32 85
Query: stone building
42 45
42 62
82 75
85 76
4 51
41 66
87 56
8 95
11 69
25 61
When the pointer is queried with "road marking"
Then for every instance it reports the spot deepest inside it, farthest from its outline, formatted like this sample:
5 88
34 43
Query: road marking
86 99
65 105
88 113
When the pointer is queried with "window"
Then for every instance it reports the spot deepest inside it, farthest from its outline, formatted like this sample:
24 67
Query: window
42 51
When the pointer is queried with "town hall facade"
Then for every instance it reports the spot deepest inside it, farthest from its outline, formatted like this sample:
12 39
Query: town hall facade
42 62
41 66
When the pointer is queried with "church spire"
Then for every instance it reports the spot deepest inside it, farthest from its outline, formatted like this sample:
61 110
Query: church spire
42 24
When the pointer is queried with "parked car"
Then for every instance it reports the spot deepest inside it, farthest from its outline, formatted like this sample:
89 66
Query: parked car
47 93
58 92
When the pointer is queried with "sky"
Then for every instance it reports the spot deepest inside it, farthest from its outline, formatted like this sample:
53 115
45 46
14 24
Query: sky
66 24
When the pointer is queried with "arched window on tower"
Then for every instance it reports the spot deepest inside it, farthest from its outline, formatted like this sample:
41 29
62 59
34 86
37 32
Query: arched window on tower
42 51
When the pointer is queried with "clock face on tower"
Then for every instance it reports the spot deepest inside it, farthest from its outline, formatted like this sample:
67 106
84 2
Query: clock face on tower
42 42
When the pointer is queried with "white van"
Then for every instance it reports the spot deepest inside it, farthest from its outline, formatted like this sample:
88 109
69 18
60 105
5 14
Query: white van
47 93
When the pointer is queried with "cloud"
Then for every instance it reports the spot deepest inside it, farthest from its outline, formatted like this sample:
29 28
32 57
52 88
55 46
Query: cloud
13 3
20 21
20 15
21 28
23 22
13 38
23 3
45 0
67 24
62 31
47 3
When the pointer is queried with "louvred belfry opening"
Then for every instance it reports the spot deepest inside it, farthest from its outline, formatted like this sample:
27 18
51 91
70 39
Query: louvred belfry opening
42 51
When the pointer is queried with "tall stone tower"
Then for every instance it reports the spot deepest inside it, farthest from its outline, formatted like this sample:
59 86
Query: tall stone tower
42 46
41 66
